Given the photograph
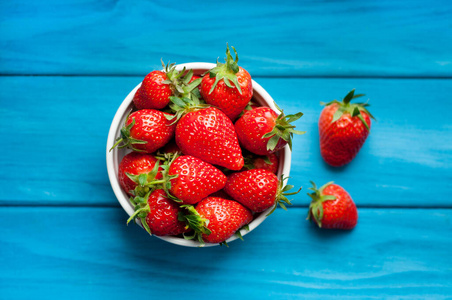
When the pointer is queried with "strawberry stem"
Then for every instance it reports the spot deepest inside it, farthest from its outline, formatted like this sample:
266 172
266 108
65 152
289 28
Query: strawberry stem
281 194
227 71
145 181
166 180
181 106
141 211
354 109
239 234
126 140
179 80
195 222
316 206
283 130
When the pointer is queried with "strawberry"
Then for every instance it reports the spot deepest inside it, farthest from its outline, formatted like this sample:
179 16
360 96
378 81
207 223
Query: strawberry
158 86
195 77
153 93
159 215
137 171
332 207
170 147
215 219
146 130
268 162
343 129
258 190
227 86
221 194
194 179
262 131
208 134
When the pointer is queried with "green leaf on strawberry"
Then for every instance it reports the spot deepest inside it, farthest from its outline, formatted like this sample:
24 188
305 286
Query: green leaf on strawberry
317 199
283 129
127 140
332 207
282 193
158 214
145 181
138 136
226 71
180 81
239 234
354 109
195 222
142 208
166 178
181 106
262 131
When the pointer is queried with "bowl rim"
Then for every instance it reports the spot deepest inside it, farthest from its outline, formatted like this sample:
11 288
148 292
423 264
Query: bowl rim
113 155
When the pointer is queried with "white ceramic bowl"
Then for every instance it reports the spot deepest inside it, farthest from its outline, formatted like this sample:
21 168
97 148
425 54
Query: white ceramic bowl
115 156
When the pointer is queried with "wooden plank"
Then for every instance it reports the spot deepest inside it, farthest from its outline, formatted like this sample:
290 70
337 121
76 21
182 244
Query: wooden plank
406 157
294 38
54 135
90 253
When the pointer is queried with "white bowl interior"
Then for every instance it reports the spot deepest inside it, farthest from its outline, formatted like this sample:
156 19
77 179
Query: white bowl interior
115 156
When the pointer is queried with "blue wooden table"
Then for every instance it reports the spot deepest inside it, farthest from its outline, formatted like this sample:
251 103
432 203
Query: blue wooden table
67 65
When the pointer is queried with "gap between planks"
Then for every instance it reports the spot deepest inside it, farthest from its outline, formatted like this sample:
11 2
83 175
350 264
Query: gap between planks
358 76
290 207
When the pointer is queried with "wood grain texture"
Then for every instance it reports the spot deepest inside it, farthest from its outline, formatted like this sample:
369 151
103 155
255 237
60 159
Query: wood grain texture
90 253
289 38
62 232
55 132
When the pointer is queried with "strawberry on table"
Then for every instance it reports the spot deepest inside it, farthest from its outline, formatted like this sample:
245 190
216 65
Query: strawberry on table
214 219
146 130
136 173
343 129
227 86
332 207
158 86
193 179
258 190
262 131
158 214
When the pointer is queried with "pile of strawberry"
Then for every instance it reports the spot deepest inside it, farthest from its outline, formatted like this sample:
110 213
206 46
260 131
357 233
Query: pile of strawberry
204 157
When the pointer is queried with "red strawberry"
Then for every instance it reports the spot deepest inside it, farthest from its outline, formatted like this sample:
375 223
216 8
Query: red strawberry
261 131
221 194
136 171
216 219
343 129
146 130
227 86
158 86
257 189
268 162
194 77
332 207
170 147
153 93
209 135
194 180
159 215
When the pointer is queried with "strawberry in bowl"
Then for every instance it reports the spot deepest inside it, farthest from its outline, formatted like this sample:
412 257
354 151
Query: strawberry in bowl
197 149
